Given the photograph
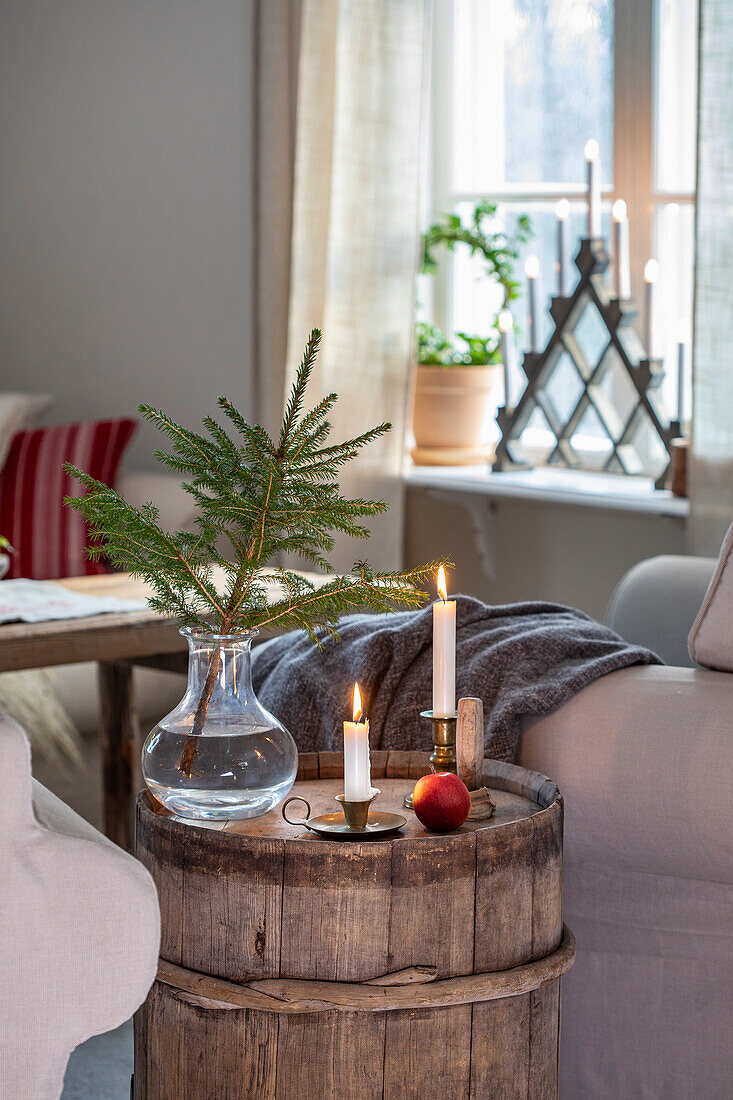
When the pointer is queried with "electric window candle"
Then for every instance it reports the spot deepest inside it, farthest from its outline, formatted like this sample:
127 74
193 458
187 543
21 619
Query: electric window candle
506 324
444 651
593 168
683 341
532 271
357 765
562 212
651 274
622 274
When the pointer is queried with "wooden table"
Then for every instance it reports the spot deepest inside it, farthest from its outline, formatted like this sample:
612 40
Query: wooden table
421 966
117 642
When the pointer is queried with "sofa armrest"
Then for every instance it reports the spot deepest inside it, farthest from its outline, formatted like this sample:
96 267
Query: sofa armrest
644 760
164 491
656 602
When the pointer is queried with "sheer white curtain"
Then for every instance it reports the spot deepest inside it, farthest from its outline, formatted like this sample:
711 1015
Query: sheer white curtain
711 491
355 242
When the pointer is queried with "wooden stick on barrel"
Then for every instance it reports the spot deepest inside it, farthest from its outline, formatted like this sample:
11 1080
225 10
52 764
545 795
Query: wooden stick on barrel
470 742
470 756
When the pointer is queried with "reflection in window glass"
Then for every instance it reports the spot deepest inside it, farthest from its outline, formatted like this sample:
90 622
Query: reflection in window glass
676 95
533 80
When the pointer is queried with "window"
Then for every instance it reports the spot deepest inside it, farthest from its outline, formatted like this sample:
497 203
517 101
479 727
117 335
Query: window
519 86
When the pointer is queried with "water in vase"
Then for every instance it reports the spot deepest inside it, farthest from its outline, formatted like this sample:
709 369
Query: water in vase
227 757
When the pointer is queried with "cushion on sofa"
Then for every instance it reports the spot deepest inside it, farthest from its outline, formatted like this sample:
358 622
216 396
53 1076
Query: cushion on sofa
19 410
49 539
711 639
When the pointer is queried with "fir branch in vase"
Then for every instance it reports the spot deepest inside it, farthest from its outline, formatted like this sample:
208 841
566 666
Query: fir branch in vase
263 498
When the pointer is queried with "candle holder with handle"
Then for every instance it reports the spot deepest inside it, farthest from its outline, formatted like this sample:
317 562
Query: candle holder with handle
443 756
355 823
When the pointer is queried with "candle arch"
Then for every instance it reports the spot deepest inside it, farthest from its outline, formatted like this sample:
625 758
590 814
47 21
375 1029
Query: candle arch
622 346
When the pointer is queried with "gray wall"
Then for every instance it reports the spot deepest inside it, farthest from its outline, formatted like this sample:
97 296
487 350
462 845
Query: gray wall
566 554
126 204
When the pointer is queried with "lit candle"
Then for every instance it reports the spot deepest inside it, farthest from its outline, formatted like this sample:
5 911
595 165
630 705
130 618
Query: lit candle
444 651
532 271
506 324
357 767
683 340
651 274
562 210
593 158
622 274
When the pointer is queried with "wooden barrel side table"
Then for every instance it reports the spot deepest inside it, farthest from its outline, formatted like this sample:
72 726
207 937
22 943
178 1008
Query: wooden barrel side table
297 968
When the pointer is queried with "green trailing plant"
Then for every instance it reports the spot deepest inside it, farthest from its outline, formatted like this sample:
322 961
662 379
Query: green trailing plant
500 252
434 349
262 497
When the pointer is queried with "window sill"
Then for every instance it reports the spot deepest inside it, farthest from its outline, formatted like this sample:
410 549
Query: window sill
552 486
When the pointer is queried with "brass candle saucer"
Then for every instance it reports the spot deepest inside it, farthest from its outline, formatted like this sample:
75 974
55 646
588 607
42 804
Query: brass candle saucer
356 822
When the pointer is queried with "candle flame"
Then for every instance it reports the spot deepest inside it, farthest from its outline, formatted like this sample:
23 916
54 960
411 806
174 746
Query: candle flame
357 711
651 271
619 210
441 584
506 321
591 149
683 332
562 210
531 267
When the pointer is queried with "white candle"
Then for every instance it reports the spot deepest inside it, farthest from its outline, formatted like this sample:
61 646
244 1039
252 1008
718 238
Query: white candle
593 168
357 766
622 273
683 339
506 324
651 274
562 210
444 651
532 271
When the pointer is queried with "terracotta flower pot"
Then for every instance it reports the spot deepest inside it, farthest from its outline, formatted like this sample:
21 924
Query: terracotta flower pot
452 414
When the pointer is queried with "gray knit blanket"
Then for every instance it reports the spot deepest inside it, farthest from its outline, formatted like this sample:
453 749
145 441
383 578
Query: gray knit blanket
520 659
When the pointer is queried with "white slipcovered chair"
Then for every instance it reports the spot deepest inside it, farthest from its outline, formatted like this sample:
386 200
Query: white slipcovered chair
79 930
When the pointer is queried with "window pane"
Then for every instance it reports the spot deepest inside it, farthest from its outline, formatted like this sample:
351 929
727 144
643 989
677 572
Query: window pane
675 243
533 81
676 95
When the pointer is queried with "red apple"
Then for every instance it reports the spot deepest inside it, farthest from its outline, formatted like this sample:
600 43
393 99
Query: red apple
441 801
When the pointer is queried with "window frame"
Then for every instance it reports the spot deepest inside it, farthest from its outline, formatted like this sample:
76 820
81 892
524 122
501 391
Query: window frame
634 129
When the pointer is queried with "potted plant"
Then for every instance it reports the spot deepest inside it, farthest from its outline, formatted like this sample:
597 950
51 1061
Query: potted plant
456 380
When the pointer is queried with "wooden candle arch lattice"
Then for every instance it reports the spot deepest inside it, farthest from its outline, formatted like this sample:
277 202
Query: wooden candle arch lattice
623 347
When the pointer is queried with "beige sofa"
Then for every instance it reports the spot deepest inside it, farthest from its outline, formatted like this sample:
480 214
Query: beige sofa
644 759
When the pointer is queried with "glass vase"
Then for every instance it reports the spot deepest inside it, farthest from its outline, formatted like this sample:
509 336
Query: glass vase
219 754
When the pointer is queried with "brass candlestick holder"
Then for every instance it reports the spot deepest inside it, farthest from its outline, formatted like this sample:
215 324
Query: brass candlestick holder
443 756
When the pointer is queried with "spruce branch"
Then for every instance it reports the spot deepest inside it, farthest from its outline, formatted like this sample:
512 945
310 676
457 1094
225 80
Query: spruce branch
260 499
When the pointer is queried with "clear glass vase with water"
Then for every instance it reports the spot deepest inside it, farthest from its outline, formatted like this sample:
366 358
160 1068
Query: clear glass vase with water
219 754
